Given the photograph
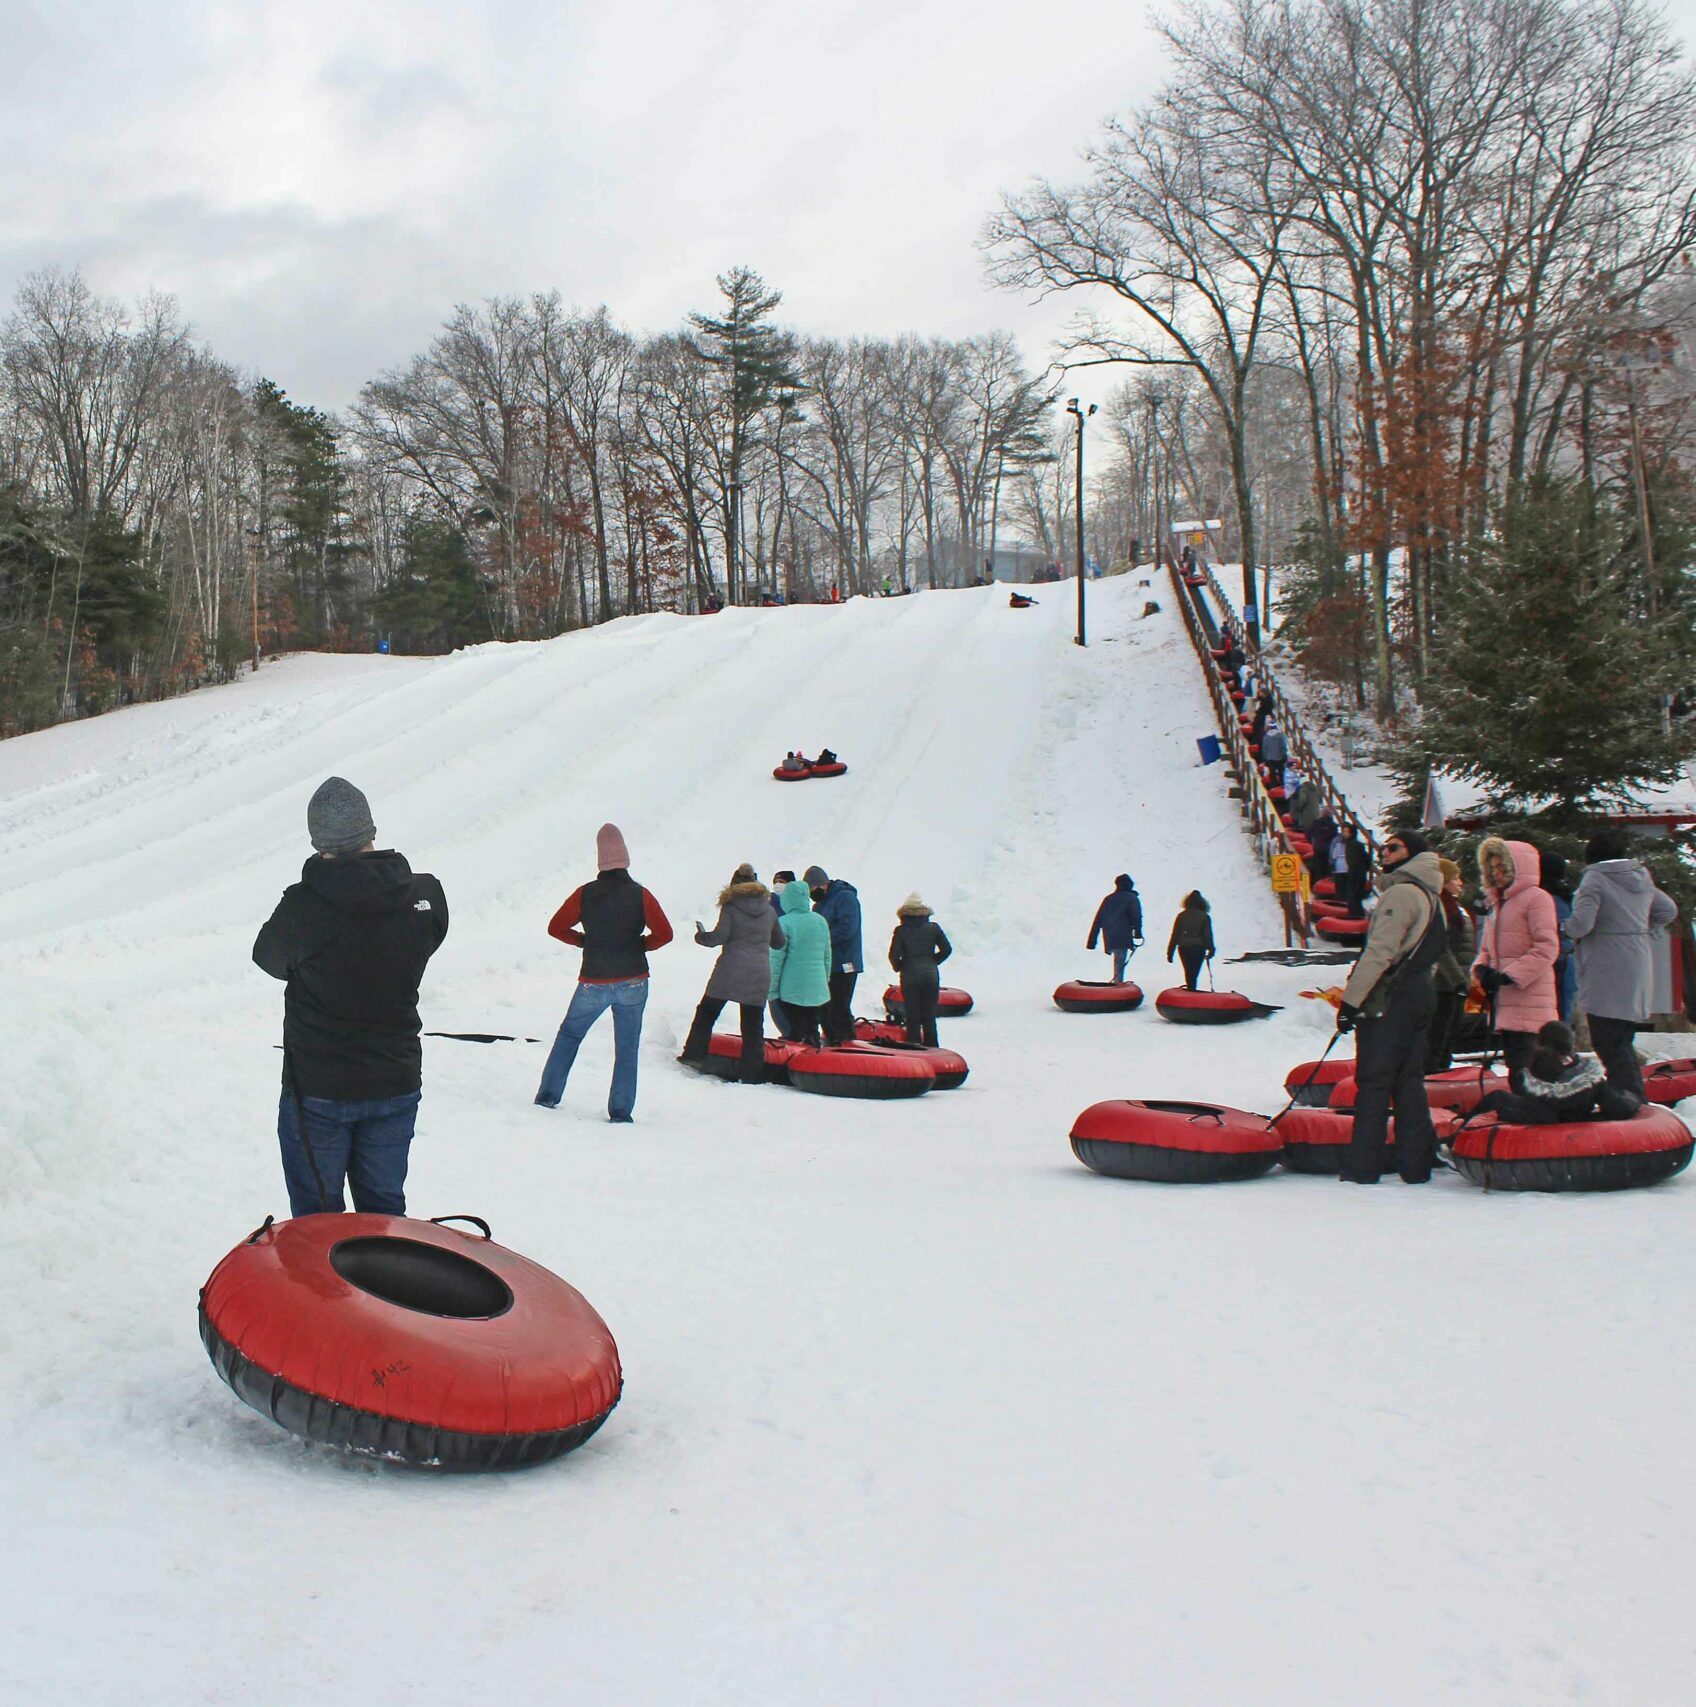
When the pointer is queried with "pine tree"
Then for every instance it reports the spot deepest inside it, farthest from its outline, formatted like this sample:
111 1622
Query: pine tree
1550 676
756 362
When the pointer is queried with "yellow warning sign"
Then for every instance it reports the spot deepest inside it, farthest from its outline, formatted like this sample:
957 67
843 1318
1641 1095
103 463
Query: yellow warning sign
1286 874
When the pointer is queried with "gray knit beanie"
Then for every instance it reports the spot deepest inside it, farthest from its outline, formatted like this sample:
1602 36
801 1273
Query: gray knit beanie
815 877
338 818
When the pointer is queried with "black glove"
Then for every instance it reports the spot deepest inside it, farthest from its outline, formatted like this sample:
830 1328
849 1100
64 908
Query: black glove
1347 1014
1491 979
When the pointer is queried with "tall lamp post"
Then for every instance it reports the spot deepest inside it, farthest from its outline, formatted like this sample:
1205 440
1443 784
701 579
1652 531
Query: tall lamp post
1081 415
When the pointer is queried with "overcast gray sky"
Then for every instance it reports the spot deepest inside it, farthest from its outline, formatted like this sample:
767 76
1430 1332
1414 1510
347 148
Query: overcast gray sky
319 181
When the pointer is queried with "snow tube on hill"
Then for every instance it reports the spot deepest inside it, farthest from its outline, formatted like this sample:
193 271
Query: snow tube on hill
951 1004
724 1057
1670 1081
1209 1007
1459 1090
1316 1140
1016 601
1195 580
1095 996
861 1070
409 1340
1588 1155
1320 908
1343 930
1182 1143
783 775
835 768
1312 1083
1326 889
949 1065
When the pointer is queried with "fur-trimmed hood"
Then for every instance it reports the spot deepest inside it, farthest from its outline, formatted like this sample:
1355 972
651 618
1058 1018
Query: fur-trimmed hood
736 891
1582 1077
912 908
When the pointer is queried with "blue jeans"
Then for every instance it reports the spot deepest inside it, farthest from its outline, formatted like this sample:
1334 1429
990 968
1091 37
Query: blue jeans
1121 958
627 1001
365 1143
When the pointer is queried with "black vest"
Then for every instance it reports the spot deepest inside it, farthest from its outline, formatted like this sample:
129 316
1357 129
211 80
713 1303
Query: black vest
613 927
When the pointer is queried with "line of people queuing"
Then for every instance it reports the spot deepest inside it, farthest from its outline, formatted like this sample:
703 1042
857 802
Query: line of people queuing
351 941
1425 954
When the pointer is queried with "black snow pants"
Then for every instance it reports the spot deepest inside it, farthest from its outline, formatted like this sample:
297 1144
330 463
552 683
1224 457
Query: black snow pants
1440 1040
920 992
1390 1067
839 1013
753 1064
1194 959
1617 1051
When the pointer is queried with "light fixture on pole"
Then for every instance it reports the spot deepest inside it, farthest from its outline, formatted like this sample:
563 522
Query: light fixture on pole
1081 415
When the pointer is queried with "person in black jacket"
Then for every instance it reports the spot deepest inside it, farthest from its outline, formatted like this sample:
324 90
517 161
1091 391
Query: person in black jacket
617 924
351 939
1192 938
916 950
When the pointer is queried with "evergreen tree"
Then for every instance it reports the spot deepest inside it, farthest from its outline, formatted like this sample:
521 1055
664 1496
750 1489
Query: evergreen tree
1551 677
434 603
757 366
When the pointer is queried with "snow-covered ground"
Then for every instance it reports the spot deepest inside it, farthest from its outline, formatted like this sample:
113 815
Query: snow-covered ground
917 1409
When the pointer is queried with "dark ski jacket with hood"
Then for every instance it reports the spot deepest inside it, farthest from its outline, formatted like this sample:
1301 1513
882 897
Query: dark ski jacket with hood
352 939
1118 920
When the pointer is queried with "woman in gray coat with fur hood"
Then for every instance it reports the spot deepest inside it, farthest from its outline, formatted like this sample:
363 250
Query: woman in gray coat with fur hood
744 935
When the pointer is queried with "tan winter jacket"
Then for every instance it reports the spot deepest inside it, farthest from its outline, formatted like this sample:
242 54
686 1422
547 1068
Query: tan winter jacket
1399 920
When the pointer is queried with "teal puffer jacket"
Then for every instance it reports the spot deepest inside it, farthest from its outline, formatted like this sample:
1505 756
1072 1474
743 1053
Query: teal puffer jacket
800 970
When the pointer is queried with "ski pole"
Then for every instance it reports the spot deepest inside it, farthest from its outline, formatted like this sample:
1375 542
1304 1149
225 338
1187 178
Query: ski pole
1306 1084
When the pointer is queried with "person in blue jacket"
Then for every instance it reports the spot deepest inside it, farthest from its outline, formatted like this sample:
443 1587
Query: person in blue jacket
838 904
1118 924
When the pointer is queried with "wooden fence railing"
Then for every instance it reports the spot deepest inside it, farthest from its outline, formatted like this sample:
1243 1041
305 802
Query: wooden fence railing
1266 829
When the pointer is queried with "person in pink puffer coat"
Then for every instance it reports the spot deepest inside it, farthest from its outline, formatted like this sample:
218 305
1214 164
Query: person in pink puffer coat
1517 948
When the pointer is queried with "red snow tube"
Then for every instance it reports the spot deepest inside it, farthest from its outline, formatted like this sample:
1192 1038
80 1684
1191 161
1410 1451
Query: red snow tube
783 775
951 1004
1208 1007
1195 580
1323 909
1095 996
1587 1155
724 1057
1313 1082
949 1065
1016 601
409 1340
834 768
1326 888
1185 1143
1343 930
1670 1081
1316 1140
860 1070
1461 1089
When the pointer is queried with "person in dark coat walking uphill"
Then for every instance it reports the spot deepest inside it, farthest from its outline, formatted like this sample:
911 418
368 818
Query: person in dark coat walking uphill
1617 915
1118 923
916 950
1355 877
352 939
1391 998
1192 938
745 934
617 924
838 904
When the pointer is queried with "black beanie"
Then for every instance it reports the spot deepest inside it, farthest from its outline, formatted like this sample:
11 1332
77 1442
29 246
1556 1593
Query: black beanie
1413 841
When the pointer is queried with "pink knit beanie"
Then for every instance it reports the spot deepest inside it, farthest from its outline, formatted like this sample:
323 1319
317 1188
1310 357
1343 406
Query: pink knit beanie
610 852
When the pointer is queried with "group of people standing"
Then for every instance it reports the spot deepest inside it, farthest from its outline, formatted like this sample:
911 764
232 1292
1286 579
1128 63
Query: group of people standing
352 939
1424 954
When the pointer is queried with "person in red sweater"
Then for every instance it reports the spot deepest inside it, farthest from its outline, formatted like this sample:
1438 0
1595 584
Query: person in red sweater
617 924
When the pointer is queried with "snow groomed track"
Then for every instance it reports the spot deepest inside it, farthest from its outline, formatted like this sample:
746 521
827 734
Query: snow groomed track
917 1409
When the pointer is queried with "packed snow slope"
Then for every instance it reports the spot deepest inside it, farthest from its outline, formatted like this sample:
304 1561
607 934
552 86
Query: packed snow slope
917 1409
